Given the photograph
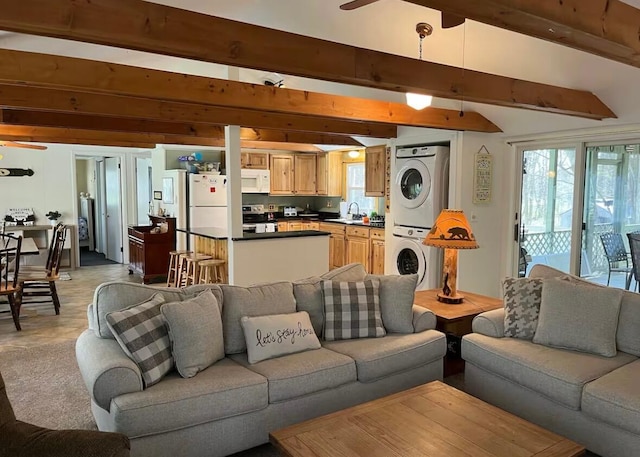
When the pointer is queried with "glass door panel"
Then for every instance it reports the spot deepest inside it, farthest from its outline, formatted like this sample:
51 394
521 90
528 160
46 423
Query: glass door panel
611 210
546 208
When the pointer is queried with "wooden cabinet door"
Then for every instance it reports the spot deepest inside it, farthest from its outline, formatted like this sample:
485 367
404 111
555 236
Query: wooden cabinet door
283 226
377 257
314 226
358 252
375 159
334 174
294 226
322 173
338 253
255 160
281 174
305 174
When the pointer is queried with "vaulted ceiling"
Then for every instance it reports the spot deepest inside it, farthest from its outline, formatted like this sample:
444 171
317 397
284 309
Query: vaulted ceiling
530 66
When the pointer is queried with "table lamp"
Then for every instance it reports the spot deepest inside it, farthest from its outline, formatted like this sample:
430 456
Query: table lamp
451 231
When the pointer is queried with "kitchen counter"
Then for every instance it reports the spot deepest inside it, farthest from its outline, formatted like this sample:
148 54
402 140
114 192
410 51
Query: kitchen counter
273 235
213 233
374 224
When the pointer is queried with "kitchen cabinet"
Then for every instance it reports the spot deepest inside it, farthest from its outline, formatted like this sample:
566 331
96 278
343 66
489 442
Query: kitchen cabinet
310 225
149 247
377 251
254 160
283 226
358 246
322 173
305 174
337 244
294 226
375 164
282 175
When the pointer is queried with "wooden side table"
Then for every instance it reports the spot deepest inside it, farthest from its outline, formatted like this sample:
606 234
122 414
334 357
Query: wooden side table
455 320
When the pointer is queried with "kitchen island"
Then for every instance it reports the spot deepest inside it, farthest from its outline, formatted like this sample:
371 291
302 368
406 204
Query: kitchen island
263 257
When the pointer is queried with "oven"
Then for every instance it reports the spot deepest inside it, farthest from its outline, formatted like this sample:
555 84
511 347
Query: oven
256 220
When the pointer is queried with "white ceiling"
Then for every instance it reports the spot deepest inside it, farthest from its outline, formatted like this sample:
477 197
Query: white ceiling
389 26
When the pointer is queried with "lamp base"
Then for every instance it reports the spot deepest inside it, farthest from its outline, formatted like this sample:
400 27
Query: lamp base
450 299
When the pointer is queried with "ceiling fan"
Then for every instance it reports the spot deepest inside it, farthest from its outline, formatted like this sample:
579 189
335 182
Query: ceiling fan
448 20
13 144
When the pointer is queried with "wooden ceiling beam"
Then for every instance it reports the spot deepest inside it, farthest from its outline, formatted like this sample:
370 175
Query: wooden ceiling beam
607 29
79 121
23 97
146 26
18 67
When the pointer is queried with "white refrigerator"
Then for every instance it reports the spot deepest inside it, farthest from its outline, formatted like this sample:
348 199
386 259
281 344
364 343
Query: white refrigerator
207 200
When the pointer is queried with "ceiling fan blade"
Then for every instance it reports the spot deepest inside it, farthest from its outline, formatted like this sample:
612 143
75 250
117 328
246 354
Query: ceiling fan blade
356 4
451 20
13 144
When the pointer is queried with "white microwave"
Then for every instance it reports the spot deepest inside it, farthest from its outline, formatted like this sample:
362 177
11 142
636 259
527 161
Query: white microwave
255 181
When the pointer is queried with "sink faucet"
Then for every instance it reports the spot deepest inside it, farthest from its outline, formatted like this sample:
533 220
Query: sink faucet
349 208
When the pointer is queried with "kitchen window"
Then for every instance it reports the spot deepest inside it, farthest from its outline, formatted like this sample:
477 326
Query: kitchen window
355 189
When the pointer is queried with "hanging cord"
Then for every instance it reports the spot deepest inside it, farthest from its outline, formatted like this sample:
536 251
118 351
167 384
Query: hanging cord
421 38
464 45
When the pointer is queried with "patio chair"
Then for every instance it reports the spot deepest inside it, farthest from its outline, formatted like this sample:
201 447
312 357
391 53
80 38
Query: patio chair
634 244
617 256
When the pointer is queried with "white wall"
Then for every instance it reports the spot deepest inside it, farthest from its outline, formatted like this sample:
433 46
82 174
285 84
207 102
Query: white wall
49 189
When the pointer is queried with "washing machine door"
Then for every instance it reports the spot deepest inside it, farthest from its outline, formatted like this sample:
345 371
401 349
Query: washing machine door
409 257
413 183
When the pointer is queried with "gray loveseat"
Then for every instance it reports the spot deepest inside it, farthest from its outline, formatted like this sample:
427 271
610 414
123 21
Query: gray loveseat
232 405
588 398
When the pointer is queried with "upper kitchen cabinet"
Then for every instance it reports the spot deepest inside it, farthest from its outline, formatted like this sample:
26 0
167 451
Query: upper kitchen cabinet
305 174
375 159
282 175
329 174
254 160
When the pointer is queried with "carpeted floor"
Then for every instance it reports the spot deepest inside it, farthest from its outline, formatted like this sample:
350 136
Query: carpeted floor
45 388
92 258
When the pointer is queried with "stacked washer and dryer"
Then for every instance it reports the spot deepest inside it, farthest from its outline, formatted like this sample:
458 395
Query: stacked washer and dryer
419 193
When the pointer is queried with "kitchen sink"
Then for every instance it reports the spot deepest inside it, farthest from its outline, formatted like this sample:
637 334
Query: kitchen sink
346 221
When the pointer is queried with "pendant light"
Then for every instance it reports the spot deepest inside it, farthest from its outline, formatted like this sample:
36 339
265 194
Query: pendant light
420 101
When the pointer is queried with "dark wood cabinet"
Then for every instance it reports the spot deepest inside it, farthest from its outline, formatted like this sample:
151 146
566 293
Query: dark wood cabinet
149 247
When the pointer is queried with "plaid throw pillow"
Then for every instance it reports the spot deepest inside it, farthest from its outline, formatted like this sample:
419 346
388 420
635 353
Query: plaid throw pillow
522 298
352 310
141 332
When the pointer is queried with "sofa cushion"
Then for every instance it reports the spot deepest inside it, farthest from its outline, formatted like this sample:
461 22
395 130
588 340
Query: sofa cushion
141 332
259 300
308 291
377 358
615 398
522 297
397 293
117 295
578 317
195 331
558 374
629 321
351 310
278 334
223 390
300 374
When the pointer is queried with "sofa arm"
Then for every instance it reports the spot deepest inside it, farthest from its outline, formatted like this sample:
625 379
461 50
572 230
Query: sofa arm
489 323
106 370
423 319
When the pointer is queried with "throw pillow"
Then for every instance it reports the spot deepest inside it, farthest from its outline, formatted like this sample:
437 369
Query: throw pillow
141 332
578 317
195 331
397 293
272 336
522 297
273 298
352 310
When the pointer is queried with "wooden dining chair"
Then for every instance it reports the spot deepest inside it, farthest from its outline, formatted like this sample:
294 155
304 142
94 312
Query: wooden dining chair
41 281
634 245
9 269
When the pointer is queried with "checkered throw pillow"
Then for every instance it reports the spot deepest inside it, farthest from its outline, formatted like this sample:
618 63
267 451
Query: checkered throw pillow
141 332
522 298
352 310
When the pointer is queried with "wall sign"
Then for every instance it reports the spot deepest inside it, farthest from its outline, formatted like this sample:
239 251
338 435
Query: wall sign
482 176
16 172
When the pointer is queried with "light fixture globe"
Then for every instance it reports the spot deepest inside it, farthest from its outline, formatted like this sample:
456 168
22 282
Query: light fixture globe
418 101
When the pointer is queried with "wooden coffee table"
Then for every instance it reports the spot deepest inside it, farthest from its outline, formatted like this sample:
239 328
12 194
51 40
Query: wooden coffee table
430 420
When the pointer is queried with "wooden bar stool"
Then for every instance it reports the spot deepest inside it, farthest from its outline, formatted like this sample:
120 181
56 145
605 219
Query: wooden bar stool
174 260
188 272
211 271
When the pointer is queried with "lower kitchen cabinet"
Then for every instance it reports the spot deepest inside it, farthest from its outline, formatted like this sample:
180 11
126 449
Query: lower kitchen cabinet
377 251
283 226
358 246
337 244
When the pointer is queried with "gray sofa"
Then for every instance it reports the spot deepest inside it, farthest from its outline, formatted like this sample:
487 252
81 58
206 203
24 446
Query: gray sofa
588 398
232 405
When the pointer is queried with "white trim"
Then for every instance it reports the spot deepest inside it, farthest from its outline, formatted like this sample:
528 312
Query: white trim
579 181
608 133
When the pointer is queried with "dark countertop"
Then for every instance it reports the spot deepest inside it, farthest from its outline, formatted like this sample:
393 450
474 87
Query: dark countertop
214 233
273 235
